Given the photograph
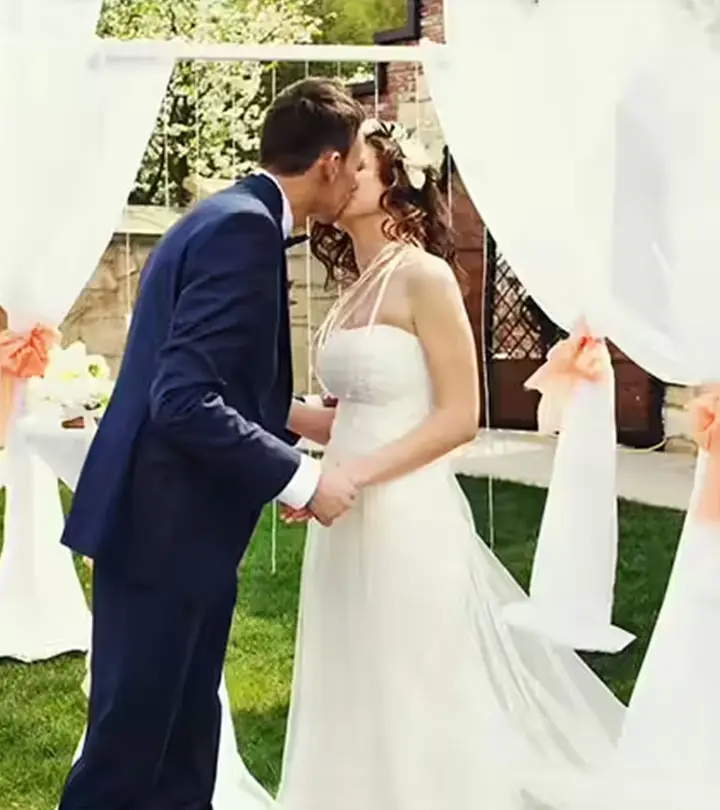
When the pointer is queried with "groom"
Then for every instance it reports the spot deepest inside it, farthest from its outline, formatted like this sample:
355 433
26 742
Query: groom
192 446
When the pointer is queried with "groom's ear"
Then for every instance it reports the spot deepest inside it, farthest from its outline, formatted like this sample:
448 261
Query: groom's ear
330 163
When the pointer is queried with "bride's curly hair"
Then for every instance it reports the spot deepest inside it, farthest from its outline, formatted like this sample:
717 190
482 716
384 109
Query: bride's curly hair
419 216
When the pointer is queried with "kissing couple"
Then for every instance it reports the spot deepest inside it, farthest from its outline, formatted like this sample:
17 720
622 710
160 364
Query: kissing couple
409 692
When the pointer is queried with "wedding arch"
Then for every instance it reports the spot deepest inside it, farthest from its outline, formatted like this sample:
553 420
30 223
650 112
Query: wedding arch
601 188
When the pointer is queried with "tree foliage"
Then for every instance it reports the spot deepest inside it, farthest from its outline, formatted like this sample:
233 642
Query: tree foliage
209 122
356 21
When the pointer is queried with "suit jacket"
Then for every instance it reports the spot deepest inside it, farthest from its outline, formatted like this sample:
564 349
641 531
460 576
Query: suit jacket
193 442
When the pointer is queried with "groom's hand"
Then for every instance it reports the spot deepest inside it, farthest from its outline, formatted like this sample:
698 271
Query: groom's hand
290 516
335 494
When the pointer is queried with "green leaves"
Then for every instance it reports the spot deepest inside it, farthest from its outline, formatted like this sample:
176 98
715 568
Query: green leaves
210 120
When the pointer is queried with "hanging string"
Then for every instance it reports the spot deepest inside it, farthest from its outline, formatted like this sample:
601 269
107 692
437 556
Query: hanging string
485 354
196 85
308 294
485 350
376 90
234 119
166 148
338 69
274 507
483 331
128 287
273 82
418 111
273 535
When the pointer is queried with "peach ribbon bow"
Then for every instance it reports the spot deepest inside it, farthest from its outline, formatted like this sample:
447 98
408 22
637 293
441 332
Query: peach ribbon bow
22 355
705 425
578 357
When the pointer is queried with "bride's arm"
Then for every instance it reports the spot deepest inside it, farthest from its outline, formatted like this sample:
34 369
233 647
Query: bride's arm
312 422
444 330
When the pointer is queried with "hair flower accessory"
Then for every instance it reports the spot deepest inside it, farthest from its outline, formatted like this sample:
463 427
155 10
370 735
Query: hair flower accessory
415 159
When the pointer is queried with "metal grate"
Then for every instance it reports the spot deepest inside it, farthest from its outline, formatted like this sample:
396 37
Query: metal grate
518 331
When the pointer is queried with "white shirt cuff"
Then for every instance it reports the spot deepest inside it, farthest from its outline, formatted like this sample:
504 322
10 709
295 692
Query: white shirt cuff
301 488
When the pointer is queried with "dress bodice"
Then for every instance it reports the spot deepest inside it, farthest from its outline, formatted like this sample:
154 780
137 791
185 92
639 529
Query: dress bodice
379 376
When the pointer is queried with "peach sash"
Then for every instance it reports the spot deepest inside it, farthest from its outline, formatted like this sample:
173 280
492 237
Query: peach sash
705 424
23 355
579 357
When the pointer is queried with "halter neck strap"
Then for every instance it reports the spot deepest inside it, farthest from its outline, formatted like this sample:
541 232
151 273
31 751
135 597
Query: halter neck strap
349 303
384 280
378 275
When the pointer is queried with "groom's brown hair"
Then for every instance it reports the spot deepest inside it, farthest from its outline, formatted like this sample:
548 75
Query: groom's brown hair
306 119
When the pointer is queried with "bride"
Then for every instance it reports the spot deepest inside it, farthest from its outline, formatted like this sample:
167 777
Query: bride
409 692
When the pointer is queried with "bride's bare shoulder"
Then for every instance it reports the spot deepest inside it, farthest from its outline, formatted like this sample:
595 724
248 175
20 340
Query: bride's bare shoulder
427 273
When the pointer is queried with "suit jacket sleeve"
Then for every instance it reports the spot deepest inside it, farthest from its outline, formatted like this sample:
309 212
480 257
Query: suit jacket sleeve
229 297
287 435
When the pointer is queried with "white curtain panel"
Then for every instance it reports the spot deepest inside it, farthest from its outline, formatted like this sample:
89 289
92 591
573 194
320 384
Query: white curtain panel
596 167
525 161
616 215
668 755
76 125
592 157
76 19
674 113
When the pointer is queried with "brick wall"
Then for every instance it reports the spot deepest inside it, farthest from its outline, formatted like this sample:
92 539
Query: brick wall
432 17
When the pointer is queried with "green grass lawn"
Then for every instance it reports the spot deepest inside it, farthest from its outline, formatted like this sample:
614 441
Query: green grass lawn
42 706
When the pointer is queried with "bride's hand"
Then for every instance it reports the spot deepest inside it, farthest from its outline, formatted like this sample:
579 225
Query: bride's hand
356 470
359 471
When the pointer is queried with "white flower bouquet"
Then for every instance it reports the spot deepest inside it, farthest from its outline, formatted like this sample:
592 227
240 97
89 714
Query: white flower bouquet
76 383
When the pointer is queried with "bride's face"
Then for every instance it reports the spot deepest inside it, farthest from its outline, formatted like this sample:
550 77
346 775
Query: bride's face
365 200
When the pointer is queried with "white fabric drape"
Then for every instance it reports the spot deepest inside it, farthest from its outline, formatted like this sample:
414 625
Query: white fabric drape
76 125
587 438
598 170
596 164
675 116
526 167
675 697
74 18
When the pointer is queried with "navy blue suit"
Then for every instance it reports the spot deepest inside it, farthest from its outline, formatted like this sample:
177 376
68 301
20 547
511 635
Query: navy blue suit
192 445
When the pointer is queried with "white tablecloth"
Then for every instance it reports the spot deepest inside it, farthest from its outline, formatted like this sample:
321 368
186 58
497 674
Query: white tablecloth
62 450
235 789
43 612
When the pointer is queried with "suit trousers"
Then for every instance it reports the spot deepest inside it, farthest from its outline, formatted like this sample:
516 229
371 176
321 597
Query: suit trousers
154 713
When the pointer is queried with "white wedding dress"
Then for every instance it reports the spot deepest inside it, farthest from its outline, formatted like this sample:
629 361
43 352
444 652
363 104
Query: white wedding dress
409 692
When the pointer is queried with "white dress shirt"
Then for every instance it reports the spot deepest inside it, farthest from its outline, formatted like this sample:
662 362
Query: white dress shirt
301 488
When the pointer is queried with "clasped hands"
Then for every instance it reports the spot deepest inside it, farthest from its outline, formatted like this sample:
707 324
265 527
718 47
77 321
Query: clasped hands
337 491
